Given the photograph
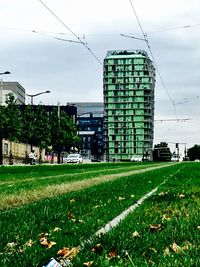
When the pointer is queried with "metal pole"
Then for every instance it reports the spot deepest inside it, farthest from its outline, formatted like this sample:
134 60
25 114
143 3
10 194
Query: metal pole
59 131
1 147
1 95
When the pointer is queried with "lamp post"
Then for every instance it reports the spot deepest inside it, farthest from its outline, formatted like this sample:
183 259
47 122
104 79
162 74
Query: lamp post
32 96
1 130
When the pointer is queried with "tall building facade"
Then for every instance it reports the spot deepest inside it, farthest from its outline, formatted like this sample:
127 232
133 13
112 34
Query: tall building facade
14 88
129 81
90 128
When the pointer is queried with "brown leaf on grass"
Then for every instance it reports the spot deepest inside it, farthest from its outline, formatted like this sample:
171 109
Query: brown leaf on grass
176 248
63 251
46 243
72 200
41 235
70 215
29 243
68 253
56 229
187 246
112 253
88 264
166 252
11 245
166 217
135 234
181 195
72 253
97 248
155 227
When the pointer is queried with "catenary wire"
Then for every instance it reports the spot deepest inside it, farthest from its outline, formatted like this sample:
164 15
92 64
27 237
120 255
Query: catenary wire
156 66
84 44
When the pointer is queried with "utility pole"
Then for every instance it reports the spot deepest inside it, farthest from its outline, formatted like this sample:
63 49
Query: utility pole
1 147
58 132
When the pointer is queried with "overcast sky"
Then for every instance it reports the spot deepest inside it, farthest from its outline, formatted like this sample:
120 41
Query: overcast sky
39 62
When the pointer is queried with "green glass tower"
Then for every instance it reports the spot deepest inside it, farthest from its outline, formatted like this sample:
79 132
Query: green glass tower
129 81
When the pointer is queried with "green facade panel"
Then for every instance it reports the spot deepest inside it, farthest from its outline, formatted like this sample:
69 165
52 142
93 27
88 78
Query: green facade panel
129 81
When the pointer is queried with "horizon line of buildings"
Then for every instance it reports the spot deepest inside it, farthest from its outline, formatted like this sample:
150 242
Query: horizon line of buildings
123 124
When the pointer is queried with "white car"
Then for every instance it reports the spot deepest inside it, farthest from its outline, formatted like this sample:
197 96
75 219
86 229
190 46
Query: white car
73 158
136 159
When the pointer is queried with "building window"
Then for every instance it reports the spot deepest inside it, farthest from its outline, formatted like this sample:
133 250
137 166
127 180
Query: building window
5 149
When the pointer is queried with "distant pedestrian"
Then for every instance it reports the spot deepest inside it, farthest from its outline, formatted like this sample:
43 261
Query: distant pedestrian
32 156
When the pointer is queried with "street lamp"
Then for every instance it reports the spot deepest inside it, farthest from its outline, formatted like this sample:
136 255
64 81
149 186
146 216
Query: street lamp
32 96
1 133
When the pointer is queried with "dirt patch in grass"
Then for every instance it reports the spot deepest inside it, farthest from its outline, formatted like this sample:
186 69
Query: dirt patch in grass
25 197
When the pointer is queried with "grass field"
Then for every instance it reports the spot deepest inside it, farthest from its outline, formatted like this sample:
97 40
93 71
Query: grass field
51 209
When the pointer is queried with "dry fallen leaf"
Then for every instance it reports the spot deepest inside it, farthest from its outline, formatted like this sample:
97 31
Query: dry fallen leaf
175 248
68 253
187 246
29 243
62 252
155 227
72 200
181 195
70 215
11 245
43 235
46 243
97 248
72 253
57 229
112 253
166 252
166 217
88 264
135 234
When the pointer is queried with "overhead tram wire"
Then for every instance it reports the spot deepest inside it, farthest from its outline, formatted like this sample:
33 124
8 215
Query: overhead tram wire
57 38
84 44
147 43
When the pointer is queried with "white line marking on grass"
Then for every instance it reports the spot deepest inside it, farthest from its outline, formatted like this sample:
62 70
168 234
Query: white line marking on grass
114 222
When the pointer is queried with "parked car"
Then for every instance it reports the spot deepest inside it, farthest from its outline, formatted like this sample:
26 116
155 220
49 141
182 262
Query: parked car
136 159
73 158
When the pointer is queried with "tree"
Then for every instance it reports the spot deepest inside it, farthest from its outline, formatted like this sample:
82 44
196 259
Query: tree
162 152
28 125
41 134
194 152
63 132
13 124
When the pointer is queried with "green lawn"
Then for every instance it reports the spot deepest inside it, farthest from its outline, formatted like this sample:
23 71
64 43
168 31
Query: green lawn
68 219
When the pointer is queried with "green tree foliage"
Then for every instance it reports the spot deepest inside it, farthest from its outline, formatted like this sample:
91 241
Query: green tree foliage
41 134
162 152
28 119
12 121
34 126
63 131
194 152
